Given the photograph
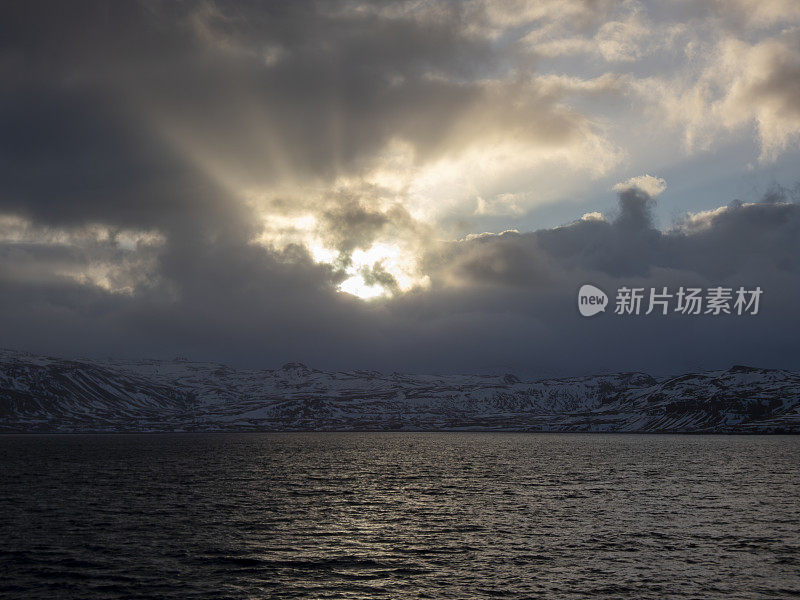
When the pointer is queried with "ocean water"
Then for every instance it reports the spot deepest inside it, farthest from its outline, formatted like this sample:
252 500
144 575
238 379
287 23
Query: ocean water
396 515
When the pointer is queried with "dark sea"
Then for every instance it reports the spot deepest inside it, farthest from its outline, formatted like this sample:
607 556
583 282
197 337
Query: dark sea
399 515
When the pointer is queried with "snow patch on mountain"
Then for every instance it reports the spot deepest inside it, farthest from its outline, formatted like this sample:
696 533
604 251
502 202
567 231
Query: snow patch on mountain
49 394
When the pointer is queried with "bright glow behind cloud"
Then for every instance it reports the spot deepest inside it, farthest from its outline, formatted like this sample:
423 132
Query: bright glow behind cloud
355 137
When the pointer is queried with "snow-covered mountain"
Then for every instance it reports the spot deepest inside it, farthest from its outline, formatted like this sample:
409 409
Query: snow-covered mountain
47 394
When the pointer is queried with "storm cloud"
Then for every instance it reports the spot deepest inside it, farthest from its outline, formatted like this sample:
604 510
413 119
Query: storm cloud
255 183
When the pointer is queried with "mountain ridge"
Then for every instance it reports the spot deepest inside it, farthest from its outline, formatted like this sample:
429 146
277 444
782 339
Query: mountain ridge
43 394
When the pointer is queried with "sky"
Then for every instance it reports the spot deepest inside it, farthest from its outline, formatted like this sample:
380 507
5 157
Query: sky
401 186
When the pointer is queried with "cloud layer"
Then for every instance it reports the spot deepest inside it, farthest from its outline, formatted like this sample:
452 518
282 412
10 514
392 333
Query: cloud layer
213 178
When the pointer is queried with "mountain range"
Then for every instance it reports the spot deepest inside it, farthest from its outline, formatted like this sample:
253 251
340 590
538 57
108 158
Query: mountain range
41 394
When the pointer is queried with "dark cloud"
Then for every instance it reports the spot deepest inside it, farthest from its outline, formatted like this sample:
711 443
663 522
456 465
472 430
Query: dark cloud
715 246
353 222
495 301
122 112
163 121
525 286
352 225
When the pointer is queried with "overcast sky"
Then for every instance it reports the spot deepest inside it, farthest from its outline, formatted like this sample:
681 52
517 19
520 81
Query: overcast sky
411 186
